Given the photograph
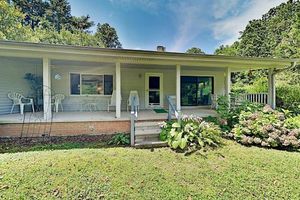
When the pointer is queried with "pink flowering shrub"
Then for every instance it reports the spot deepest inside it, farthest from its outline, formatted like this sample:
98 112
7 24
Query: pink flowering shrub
267 128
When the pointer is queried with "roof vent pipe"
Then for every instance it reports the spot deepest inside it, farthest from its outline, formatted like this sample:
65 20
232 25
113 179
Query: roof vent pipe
161 48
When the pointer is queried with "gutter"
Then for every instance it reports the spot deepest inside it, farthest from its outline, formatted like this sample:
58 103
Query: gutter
293 65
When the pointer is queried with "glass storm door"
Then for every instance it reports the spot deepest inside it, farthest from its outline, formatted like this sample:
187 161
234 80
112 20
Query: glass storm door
196 90
153 90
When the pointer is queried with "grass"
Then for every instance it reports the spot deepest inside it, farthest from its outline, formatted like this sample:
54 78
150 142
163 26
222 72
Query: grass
11 148
230 172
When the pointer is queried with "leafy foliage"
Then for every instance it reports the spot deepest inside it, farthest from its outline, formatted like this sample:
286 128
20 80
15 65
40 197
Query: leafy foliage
276 34
292 122
51 22
11 23
228 50
267 128
195 50
108 35
120 139
191 134
230 114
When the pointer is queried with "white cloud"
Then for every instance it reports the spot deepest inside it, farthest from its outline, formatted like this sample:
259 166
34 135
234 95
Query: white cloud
227 30
222 8
190 21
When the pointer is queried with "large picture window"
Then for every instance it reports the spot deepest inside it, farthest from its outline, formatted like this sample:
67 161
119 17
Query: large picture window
196 90
91 84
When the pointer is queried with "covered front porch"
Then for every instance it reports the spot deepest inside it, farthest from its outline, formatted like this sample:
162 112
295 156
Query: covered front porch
143 115
93 79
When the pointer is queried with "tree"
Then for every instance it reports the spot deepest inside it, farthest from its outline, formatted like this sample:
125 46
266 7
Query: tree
59 13
82 23
195 50
11 23
34 10
228 50
262 36
108 36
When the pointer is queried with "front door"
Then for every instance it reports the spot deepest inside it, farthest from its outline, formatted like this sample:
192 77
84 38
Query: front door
153 90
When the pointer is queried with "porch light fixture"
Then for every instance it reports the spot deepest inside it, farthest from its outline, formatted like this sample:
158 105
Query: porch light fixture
57 77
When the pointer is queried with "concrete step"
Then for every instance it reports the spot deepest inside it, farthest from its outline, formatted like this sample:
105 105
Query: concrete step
146 137
144 132
147 144
147 124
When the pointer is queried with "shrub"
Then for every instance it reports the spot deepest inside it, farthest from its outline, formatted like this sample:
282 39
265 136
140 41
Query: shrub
120 139
230 115
288 97
292 122
191 134
267 128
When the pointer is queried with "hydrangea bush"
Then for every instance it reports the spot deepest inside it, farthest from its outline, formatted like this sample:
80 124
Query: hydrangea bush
267 128
190 134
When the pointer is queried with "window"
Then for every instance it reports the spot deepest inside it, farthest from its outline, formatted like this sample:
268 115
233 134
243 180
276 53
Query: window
196 90
90 84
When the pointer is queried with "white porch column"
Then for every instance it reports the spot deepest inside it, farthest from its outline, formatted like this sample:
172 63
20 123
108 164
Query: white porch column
227 81
271 89
118 90
47 89
178 87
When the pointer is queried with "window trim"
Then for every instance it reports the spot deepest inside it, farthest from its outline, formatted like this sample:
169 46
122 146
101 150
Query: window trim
86 95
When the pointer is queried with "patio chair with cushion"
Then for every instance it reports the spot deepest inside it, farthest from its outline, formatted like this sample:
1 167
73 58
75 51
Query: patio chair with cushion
19 99
57 100
112 100
133 93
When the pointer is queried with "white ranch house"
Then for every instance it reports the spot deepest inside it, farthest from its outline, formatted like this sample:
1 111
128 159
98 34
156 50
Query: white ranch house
88 77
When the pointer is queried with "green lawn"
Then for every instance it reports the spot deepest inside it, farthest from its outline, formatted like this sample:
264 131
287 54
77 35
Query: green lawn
231 172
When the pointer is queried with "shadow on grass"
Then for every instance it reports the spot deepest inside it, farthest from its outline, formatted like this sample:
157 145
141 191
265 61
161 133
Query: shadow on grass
10 148
14 145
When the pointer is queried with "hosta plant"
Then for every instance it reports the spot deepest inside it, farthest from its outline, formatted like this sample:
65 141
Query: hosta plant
267 128
190 134
120 139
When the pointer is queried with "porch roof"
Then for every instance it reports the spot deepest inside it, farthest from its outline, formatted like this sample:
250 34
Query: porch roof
129 56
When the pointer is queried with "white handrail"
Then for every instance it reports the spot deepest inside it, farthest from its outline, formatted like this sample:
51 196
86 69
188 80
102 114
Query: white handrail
133 117
172 109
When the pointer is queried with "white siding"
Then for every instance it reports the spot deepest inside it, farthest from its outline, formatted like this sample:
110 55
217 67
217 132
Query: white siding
62 86
12 72
134 79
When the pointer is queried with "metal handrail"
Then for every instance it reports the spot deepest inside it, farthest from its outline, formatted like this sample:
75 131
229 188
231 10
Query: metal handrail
172 109
133 117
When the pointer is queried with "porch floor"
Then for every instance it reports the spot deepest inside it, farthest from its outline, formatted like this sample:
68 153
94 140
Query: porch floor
29 117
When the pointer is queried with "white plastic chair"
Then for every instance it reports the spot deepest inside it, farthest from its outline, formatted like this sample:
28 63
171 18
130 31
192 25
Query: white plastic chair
112 100
133 93
57 100
19 99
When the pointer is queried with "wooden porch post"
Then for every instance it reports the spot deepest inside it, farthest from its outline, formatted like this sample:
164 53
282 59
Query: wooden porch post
271 89
118 90
178 87
47 89
227 81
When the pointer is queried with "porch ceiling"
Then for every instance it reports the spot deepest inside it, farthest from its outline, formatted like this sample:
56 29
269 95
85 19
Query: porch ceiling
126 56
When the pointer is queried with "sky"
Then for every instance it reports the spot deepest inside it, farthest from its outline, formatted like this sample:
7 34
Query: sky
176 24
